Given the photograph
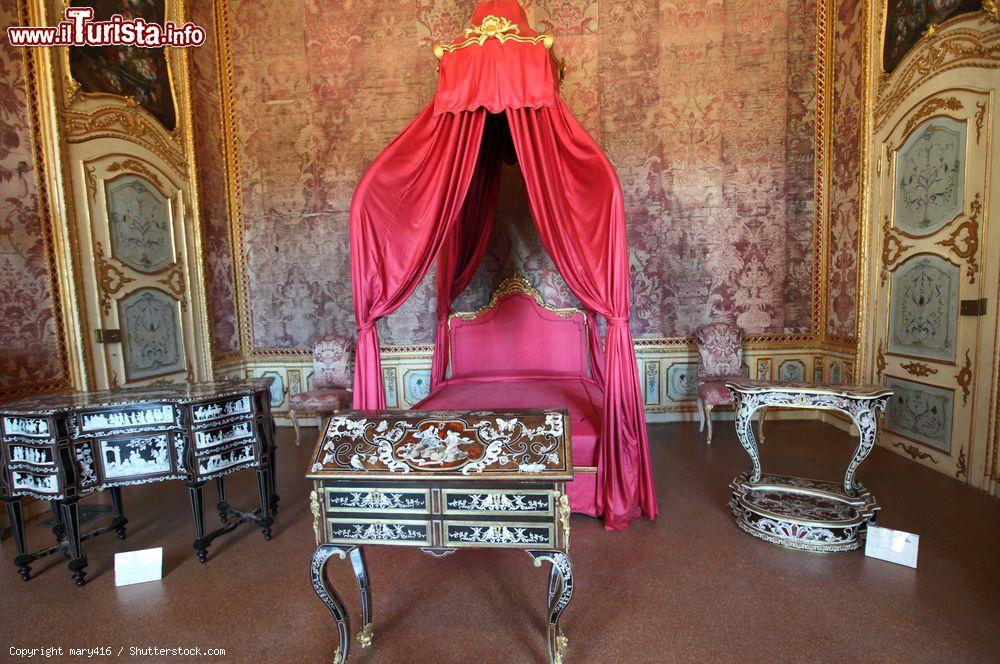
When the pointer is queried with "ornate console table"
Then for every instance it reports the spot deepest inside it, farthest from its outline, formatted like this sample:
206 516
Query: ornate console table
441 481
801 513
61 447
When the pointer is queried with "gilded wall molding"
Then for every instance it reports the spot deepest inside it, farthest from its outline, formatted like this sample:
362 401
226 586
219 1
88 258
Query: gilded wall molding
964 41
31 61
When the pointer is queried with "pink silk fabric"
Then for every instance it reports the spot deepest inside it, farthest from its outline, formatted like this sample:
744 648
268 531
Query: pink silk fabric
410 201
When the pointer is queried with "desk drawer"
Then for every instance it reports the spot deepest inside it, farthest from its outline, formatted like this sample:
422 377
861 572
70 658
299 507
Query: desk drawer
378 531
499 534
372 499
497 501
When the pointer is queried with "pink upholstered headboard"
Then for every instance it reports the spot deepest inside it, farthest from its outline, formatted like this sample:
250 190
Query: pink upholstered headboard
516 335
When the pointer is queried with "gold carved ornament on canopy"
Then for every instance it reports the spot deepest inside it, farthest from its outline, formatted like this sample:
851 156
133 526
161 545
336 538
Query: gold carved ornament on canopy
497 27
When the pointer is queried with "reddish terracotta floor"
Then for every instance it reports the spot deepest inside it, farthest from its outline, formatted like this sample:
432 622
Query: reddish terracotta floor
689 587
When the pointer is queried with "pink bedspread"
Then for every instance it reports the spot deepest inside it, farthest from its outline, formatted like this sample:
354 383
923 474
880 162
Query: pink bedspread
581 396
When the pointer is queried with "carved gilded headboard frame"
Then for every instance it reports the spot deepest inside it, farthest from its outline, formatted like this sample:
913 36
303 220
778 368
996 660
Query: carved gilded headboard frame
516 285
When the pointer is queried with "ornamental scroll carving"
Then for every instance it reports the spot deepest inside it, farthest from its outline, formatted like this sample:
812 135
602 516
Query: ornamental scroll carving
110 279
964 239
893 249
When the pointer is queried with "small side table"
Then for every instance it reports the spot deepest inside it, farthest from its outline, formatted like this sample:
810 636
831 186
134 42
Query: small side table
438 482
800 513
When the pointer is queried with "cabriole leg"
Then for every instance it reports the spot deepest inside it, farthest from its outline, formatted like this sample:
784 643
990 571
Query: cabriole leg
560 593
744 431
365 636
264 491
331 598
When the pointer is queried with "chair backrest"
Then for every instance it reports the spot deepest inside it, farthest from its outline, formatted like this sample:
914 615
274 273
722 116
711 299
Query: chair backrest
720 351
333 362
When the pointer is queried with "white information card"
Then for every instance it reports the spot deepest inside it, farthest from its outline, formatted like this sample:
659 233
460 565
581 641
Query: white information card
895 546
138 566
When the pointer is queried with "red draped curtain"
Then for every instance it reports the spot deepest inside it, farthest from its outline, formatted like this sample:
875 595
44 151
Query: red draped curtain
403 210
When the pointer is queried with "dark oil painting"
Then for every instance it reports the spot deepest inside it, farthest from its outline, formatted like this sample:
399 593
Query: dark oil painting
907 20
130 71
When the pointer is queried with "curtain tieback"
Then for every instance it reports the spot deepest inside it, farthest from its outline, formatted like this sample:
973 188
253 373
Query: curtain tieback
619 321
364 327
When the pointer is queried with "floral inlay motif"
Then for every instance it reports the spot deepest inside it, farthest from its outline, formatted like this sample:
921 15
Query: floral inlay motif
152 339
921 412
930 177
498 535
924 308
141 235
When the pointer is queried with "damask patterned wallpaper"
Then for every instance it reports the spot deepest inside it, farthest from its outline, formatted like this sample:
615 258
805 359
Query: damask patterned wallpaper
29 334
845 177
212 193
706 108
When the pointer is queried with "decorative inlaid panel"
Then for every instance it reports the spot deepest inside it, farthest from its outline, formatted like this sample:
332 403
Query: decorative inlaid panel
792 371
353 499
277 388
930 170
921 412
223 435
466 501
127 418
225 460
32 427
651 381
39 456
416 385
151 334
136 457
467 444
682 381
139 215
923 311
499 534
222 409
379 532
34 482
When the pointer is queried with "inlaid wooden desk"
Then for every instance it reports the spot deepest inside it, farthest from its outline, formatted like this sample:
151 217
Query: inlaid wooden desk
61 447
800 513
439 482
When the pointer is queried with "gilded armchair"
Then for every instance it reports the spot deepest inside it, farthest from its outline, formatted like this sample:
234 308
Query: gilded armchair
333 378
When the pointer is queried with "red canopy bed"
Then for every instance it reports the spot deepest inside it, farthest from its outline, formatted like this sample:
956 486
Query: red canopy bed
431 195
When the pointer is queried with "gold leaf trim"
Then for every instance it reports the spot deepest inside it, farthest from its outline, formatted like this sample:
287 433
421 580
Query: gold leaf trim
980 117
880 361
930 107
110 279
564 512
964 378
136 166
492 27
317 516
967 233
516 285
914 452
961 469
917 369
893 249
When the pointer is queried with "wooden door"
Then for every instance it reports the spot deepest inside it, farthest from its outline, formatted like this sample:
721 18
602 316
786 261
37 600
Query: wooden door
932 289
137 268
